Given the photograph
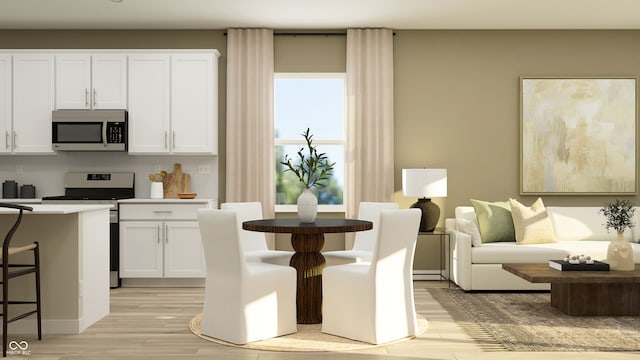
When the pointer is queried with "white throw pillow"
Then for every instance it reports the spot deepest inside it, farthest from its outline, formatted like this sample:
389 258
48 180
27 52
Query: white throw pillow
532 224
469 227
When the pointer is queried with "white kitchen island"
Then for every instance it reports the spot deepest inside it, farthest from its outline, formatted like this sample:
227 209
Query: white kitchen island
74 261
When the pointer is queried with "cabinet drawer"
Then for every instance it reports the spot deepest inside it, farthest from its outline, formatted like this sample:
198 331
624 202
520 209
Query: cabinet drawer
160 211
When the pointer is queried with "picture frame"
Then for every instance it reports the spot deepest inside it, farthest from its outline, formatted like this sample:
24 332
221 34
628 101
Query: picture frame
578 135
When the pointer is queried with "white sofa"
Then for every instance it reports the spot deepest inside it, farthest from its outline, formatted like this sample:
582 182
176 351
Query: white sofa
578 230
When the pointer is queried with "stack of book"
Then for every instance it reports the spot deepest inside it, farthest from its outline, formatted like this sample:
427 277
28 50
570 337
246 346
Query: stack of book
563 265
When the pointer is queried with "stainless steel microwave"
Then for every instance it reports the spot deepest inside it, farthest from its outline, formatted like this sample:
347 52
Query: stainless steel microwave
89 130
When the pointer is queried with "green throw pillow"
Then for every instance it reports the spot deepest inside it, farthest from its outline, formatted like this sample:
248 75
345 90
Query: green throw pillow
495 221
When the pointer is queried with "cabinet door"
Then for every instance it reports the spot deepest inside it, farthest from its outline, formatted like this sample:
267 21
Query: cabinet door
141 249
109 81
33 101
193 95
183 254
5 104
73 84
149 104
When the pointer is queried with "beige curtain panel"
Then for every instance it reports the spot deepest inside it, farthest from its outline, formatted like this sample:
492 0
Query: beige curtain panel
370 118
250 144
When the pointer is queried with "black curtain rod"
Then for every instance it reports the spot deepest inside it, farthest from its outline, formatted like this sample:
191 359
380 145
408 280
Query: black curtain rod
308 34
304 34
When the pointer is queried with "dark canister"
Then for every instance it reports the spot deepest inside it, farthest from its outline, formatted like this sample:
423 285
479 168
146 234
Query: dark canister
10 189
27 191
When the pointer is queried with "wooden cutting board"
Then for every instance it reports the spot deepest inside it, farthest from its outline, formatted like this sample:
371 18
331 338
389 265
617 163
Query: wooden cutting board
176 182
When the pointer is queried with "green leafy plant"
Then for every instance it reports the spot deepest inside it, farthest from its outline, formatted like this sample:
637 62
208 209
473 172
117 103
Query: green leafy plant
618 214
312 168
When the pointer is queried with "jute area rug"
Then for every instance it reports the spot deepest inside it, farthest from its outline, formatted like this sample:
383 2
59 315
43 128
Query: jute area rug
308 338
527 322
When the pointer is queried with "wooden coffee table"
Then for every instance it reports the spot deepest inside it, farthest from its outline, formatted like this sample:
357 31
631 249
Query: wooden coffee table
576 293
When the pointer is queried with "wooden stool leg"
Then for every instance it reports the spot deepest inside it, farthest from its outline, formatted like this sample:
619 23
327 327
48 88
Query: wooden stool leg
5 305
36 255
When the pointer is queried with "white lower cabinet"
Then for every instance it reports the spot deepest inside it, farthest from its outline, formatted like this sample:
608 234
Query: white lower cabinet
183 254
160 241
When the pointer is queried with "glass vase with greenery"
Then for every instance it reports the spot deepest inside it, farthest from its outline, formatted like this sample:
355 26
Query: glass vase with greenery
619 251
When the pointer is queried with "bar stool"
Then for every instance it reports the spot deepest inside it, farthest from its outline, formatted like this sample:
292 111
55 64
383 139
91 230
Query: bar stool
10 271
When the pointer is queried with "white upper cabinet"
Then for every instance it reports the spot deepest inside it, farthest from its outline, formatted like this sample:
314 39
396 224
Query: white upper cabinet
85 81
171 96
6 130
173 103
193 109
33 101
149 91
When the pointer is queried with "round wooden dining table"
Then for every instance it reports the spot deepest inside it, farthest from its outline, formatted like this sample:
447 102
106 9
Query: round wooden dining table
307 239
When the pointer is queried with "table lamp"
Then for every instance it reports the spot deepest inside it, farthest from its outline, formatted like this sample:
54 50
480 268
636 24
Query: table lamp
425 184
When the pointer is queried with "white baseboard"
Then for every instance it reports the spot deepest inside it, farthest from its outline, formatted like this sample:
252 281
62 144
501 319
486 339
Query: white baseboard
163 282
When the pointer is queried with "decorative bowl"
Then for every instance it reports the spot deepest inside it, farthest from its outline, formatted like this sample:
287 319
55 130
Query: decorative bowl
187 195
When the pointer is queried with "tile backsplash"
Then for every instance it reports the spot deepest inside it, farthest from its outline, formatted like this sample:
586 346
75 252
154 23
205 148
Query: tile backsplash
46 172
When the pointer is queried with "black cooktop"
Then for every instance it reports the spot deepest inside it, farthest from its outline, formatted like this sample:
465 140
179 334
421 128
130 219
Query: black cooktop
78 194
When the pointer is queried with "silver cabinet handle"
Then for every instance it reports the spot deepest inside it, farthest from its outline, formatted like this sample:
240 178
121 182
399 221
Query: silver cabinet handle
173 141
162 211
158 233
95 98
15 135
165 140
6 139
104 133
86 98
166 234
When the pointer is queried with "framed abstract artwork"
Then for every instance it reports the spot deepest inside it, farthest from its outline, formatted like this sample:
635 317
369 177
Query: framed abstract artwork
578 135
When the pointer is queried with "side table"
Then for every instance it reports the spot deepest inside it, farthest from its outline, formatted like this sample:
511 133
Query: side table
444 243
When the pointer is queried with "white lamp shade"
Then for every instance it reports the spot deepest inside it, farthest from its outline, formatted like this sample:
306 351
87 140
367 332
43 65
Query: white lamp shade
426 183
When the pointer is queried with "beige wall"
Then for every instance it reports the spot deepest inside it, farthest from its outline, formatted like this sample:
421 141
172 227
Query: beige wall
457 101
310 53
456 92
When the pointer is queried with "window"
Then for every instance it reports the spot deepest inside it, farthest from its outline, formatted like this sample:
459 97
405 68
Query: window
315 101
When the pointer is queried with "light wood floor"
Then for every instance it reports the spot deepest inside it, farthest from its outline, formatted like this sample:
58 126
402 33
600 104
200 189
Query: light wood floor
152 323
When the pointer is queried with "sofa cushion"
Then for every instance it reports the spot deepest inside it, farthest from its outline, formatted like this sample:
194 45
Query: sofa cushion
468 213
531 223
470 228
572 223
494 221
498 253
504 252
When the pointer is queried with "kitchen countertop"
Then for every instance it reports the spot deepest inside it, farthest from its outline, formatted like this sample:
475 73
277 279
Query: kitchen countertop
21 201
165 201
58 208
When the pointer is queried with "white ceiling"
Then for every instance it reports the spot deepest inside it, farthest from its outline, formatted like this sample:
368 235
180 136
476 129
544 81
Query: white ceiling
320 14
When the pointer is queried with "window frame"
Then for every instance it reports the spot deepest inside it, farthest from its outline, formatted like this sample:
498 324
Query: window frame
279 208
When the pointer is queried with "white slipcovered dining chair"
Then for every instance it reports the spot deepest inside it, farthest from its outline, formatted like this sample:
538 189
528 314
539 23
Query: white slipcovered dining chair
373 302
254 243
244 301
364 241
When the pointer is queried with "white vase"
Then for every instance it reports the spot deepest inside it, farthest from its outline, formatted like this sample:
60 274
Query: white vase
307 206
620 254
